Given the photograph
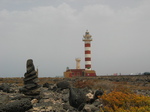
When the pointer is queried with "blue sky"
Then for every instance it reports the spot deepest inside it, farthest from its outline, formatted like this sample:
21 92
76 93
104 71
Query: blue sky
50 32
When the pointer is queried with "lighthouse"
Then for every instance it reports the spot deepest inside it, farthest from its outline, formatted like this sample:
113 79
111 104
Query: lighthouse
87 72
87 46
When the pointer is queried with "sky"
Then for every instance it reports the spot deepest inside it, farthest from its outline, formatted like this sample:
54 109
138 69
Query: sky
51 31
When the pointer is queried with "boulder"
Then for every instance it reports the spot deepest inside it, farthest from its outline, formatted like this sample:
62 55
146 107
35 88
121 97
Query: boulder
63 85
16 106
77 98
5 87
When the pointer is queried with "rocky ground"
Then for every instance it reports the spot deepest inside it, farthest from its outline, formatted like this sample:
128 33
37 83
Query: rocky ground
52 98
55 94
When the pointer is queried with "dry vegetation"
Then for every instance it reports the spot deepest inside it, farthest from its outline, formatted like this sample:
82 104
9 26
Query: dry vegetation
124 100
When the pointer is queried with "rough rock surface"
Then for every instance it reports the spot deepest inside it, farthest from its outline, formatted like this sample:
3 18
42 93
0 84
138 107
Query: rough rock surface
63 85
5 87
51 100
4 99
77 98
16 106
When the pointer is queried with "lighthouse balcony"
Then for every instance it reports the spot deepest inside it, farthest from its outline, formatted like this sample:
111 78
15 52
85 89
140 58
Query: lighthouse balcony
87 39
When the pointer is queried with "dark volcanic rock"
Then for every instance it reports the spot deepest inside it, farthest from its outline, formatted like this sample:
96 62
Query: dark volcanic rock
65 97
31 86
77 98
17 97
90 108
52 87
46 85
4 99
16 106
5 87
98 93
97 103
66 106
63 85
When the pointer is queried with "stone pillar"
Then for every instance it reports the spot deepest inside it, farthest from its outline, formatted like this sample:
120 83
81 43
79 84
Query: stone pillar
78 63
31 80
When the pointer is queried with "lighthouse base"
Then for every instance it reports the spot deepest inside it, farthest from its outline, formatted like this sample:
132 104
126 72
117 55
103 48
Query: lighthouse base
79 73
89 73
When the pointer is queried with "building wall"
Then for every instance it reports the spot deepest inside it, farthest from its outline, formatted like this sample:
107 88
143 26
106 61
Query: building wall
73 73
90 73
79 73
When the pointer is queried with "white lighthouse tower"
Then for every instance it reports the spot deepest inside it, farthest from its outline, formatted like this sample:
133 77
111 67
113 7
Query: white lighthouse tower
87 40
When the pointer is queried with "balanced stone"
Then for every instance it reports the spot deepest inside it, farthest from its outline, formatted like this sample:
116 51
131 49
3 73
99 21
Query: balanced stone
31 86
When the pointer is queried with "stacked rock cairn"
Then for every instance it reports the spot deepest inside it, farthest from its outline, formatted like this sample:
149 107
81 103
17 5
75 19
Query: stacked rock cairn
31 80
